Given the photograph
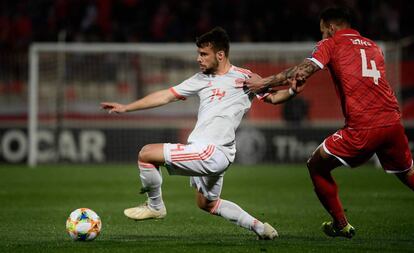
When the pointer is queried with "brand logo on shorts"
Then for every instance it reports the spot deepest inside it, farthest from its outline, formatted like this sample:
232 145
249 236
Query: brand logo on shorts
336 136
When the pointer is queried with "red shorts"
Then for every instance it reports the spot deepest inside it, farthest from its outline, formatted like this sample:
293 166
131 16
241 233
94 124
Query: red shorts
355 146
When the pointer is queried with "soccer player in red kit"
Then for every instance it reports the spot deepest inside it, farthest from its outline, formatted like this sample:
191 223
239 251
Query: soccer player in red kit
372 116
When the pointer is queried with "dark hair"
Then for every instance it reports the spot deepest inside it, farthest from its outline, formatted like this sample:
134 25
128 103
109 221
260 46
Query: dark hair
218 38
339 15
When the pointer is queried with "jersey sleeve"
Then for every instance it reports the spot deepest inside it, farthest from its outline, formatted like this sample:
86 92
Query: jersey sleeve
245 75
187 88
322 52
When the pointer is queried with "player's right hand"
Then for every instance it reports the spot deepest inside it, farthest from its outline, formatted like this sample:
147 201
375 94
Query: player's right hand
297 85
113 107
255 83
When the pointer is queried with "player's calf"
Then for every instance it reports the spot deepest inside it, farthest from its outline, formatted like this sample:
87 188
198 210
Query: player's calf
205 204
407 177
232 212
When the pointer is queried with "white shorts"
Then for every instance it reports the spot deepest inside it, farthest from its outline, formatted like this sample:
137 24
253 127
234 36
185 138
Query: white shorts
205 163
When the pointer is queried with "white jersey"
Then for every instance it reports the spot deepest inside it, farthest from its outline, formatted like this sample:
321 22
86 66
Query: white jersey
223 102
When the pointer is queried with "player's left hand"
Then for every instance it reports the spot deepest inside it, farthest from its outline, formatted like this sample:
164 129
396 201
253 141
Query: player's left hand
255 83
113 107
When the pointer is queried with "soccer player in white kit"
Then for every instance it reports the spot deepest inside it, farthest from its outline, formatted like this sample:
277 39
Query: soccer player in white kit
211 145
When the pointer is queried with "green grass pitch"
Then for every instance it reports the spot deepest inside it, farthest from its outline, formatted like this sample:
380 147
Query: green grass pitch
34 205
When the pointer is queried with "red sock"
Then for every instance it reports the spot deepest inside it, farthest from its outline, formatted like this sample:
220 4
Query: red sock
327 192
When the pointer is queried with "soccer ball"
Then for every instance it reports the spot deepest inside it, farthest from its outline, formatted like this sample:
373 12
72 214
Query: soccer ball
83 224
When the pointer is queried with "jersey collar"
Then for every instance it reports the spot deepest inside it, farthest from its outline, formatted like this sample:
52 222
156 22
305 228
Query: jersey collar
347 32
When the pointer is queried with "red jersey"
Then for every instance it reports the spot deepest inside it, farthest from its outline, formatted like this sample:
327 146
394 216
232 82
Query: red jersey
357 68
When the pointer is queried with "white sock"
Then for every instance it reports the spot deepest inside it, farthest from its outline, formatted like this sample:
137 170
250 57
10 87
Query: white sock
232 212
151 180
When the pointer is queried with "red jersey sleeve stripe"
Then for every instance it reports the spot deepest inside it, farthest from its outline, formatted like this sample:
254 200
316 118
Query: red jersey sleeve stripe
242 70
314 60
176 94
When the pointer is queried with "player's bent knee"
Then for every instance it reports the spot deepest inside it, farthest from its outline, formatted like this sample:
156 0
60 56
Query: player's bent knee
202 204
205 204
144 154
310 163
203 207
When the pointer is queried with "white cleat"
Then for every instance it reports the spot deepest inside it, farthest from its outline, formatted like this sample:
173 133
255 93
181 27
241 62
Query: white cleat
269 232
145 212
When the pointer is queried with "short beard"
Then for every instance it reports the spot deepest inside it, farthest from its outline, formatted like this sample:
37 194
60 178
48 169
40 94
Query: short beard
213 69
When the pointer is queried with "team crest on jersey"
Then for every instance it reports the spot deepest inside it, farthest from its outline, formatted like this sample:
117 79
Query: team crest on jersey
217 93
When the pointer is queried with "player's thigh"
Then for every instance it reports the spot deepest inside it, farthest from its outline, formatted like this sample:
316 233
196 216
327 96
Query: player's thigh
351 147
198 159
395 155
322 160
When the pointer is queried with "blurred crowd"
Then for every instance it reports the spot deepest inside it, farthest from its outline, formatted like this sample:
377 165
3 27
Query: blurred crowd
25 21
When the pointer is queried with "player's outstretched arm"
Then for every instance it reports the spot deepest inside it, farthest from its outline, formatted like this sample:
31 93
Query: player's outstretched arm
300 72
152 100
258 84
278 97
281 96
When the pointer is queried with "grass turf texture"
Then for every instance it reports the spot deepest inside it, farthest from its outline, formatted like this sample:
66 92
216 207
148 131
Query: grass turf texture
36 202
